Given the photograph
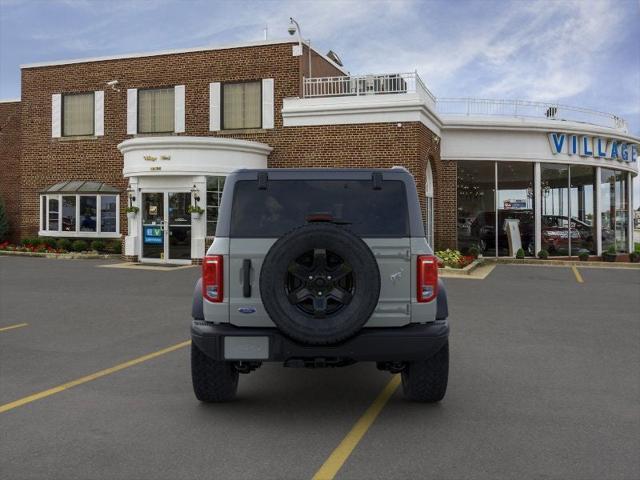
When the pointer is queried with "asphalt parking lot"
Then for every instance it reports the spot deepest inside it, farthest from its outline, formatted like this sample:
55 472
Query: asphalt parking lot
544 383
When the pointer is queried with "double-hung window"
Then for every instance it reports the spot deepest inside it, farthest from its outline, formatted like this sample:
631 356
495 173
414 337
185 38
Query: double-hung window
78 114
156 110
241 105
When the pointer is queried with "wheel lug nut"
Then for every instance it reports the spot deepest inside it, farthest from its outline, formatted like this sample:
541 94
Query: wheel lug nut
319 293
328 277
310 277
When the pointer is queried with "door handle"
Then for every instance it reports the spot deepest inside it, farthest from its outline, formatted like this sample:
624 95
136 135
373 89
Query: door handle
246 277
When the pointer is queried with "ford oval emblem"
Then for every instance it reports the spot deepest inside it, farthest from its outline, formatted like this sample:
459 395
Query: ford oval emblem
247 310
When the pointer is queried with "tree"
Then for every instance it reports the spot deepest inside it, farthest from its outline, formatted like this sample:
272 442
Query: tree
4 222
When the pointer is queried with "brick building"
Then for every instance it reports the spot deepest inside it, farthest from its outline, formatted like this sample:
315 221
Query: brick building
90 139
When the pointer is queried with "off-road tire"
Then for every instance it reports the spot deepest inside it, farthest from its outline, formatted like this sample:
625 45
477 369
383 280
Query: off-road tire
213 381
336 326
426 380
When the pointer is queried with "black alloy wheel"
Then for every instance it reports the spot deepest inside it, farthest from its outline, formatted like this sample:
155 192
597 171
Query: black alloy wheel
319 283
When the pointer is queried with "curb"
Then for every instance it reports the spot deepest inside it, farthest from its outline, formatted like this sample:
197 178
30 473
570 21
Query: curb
564 263
63 256
454 272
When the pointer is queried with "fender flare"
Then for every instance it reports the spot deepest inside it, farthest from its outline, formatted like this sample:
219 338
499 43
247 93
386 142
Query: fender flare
196 307
442 311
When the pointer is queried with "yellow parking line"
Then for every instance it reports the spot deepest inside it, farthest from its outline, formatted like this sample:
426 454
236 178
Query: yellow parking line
577 274
74 383
11 327
334 463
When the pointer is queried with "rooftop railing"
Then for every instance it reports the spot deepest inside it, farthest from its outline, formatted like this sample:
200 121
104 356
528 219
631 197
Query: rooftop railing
401 83
528 109
357 85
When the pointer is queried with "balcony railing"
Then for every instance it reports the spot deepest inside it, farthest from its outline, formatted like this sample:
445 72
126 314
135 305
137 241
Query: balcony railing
399 83
525 108
357 85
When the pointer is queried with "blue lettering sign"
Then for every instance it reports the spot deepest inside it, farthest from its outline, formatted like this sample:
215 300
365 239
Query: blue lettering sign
586 147
557 142
614 150
624 153
573 148
152 235
591 146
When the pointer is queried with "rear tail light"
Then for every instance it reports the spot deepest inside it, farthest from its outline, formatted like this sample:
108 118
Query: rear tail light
427 278
212 275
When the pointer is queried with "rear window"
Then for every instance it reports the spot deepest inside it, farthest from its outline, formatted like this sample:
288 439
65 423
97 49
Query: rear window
286 204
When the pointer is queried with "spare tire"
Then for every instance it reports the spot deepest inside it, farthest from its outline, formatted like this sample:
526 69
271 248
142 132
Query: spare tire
320 283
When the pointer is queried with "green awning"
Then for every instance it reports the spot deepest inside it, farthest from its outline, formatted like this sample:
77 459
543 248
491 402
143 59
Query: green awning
81 186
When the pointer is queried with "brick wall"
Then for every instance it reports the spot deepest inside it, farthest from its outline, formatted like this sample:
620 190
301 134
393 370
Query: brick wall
46 161
10 164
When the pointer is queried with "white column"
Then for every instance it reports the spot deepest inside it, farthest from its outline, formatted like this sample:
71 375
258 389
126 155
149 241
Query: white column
132 245
598 213
630 212
537 208
199 226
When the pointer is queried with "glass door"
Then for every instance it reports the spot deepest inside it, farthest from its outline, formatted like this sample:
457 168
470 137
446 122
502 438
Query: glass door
153 226
179 241
166 227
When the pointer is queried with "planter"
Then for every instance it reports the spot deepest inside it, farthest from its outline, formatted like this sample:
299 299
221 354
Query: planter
131 216
196 215
609 257
634 257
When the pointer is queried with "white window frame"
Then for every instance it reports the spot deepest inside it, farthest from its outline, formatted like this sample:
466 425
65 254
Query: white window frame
95 115
260 103
133 108
78 233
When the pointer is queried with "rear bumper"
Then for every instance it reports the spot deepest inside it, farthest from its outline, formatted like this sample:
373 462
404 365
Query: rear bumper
412 342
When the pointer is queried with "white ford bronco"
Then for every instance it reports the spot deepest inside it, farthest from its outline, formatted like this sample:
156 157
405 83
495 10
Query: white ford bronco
320 268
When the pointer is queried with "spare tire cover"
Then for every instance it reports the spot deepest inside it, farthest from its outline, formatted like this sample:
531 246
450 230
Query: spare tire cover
320 283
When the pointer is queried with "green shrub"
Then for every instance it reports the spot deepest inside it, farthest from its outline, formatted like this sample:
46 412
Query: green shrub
634 257
449 257
47 242
543 254
520 253
64 244
114 247
97 245
28 241
611 249
474 252
4 222
79 246
583 255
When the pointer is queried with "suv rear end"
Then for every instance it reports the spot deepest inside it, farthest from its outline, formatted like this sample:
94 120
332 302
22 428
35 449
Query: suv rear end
317 268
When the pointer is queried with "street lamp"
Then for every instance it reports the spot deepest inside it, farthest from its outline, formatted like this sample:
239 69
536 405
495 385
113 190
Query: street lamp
294 27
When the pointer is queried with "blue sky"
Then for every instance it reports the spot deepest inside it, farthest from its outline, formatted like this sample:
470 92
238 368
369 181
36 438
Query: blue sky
579 52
